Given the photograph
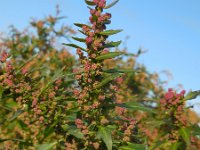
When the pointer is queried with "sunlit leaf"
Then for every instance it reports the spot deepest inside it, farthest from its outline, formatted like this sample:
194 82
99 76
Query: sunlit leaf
175 146
112 44
52 80
184 132
26 62
107 22
3 140
16 114
111 4
75 46
79 39
156 145
132 105
73 131
192 95
110 32
109 55
107 80
104 133
46 146
116 70
1 92
91 3
195 130
131 146
81 25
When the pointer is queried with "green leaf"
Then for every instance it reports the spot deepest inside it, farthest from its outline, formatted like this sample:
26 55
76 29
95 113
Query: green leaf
192 95
58 75
82 32
107 80
104 133
46 146
1 92
110 32
76 132
79 39
112 44
131 146
195 130
48 131
107 22
29 60
3 140
156 145
115 70
175 146
17 113
75 46
81 25
111 4
73 131
109 55
90 2
184 132
132 105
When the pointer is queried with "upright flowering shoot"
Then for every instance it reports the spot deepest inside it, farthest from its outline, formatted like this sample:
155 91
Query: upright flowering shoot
94 94
176 127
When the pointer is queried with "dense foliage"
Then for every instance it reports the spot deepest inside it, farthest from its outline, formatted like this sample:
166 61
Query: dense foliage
103 99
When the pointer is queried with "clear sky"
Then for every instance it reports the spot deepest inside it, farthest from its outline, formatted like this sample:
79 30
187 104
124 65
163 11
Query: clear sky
169 30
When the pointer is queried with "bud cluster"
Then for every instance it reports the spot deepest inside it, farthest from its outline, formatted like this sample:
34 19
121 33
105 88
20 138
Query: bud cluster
173 105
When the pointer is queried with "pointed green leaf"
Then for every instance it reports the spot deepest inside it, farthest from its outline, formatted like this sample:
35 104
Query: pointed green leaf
90 2
107 22
184 132
115 70
131 146
195 130
175 146
110 32
3 140
192 95
107 80
104 133
1 92
27 61
75 46
156 145
111 4
79 39
17 113
132 105
82 32
112 44
75 132
46 146
81 25
109 55
52 80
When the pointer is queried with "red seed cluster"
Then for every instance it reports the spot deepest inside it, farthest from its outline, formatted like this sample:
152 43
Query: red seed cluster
3 56
171 99
173 108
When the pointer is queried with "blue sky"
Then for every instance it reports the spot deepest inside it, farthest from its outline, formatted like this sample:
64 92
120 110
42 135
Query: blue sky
169 30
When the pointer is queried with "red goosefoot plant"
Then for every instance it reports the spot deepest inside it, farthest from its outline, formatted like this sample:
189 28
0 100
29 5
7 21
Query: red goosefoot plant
51 101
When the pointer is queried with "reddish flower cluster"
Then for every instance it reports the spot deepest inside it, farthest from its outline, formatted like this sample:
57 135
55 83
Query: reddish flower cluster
173 104
128 128
173 107
4 56
171 98
100 3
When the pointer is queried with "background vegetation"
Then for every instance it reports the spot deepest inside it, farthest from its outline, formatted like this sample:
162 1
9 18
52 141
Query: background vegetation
104 99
